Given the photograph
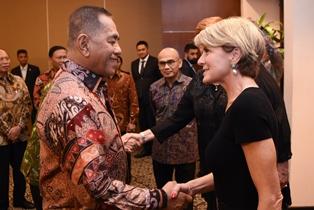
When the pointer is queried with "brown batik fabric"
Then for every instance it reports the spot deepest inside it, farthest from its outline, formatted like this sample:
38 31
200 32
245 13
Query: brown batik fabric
15 107
83 162
121 89
41 82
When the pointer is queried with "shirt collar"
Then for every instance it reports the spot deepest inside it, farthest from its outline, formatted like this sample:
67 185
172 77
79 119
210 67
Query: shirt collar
145 59
89 78
117 74
24 68
177 81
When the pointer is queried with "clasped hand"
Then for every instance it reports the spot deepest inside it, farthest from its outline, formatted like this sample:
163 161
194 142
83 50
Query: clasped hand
132 142
179 195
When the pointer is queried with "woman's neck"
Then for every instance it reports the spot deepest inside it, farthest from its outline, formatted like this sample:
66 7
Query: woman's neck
235 85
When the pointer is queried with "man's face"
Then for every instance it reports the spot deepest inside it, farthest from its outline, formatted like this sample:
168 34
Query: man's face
58 58
22 58
104 48
169 63
4 62
192 56
142 51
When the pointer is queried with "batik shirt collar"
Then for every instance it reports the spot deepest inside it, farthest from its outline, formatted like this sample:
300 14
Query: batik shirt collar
178 80
89 78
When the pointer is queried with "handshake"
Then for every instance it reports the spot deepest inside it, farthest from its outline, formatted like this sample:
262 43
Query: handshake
178 195
133 141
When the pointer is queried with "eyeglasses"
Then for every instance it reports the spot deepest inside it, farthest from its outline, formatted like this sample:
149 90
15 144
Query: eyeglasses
170 63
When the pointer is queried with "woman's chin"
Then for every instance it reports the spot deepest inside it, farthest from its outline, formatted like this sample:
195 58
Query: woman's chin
207 81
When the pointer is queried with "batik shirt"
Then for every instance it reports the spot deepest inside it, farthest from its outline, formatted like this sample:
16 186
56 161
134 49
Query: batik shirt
121 89
83 162
182 147
41 82
15 107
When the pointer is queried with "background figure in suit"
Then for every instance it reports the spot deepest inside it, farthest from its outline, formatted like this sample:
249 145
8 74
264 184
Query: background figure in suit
28 72
145 71
191 55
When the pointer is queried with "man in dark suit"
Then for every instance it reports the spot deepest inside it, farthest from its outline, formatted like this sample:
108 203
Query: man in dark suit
28 72
191 55
145 71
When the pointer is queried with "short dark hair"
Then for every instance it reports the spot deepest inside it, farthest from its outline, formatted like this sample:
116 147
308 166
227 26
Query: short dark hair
189 46
142 42
21 51
53 49
85 20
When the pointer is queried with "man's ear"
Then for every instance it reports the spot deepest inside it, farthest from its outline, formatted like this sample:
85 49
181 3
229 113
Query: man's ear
82 42
180 62
236 55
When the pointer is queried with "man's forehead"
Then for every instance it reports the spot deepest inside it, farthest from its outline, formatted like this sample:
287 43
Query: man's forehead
109 26
141 46
3 53
167 56
193 50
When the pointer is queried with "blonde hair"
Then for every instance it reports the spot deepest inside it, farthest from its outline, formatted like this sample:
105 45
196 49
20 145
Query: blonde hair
236 32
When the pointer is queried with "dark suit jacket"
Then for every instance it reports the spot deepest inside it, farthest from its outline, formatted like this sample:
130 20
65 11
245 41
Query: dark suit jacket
186 69
32 73
143 81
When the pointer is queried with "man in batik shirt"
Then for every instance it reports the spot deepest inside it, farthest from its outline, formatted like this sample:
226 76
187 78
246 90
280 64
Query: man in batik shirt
57 55
83 161
176 156
15 126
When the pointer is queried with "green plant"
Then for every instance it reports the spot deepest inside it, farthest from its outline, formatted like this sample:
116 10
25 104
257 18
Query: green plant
276 35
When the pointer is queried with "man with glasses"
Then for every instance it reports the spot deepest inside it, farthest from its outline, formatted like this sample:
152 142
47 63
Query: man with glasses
180 152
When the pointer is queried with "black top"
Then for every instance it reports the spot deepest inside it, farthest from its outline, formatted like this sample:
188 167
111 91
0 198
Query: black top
250 118
205 103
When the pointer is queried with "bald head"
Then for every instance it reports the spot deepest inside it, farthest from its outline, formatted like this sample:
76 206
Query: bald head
206 22
169 50
169 64
4 62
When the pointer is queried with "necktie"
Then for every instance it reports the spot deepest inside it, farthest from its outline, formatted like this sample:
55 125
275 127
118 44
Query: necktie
142 66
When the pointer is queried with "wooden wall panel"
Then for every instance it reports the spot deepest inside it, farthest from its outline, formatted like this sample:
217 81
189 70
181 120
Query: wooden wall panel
179 18
136 20
23 25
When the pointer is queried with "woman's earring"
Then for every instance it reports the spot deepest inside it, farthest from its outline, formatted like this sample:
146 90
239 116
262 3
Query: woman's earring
234 69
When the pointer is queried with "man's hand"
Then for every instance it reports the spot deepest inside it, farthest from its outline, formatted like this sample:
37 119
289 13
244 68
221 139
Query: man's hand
180 201
283 172
14 133
132 142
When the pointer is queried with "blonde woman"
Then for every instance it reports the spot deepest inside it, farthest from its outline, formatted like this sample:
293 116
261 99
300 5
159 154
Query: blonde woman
242 155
